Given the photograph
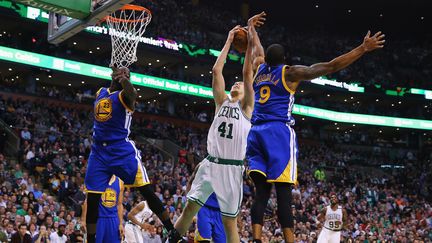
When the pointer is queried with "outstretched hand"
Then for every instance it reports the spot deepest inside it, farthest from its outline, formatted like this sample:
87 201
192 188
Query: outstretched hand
232 33
120 74
374 42
258 19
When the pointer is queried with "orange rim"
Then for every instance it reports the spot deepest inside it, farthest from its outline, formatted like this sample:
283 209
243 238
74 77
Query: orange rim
129 7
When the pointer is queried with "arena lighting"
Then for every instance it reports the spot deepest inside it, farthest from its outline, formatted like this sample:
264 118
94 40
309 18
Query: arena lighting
37 14
79 68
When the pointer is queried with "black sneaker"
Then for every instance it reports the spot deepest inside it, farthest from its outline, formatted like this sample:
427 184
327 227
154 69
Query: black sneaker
175 237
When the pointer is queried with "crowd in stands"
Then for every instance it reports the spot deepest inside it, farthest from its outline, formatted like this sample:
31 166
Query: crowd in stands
402 63
41 190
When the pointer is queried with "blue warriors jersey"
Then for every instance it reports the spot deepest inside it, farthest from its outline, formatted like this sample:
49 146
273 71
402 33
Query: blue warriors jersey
112 118
212 201
274 100
109 199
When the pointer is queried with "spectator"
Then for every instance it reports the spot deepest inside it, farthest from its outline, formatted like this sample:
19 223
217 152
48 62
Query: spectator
59 235
42 236
319 174
21 236
25 134
152 237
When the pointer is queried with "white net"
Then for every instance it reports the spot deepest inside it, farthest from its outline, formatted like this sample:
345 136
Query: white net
127 25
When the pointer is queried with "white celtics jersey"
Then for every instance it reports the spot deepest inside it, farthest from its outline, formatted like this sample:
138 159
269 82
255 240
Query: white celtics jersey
228 133
144 214
333 219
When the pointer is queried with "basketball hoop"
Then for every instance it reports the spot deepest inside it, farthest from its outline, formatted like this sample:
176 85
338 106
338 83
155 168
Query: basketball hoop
127 25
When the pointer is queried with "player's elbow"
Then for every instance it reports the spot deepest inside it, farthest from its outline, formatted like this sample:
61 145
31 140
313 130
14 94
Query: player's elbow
332 67
216 70
130 216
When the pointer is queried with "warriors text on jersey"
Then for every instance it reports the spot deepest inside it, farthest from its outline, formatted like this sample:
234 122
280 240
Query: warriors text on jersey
228 132
274 100
112 117
333 219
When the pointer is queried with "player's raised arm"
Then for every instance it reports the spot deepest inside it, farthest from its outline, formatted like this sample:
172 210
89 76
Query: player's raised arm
129 93
299 73
257 49
218 81
248 72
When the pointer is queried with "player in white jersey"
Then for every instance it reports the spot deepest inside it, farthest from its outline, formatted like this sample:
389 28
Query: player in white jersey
222 170
137 218
335 218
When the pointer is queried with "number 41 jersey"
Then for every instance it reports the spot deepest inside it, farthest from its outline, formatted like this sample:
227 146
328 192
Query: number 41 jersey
228 133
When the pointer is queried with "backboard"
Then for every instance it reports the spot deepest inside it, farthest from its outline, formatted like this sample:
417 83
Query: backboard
62 27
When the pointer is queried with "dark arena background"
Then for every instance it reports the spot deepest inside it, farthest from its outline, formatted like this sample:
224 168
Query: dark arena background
364 133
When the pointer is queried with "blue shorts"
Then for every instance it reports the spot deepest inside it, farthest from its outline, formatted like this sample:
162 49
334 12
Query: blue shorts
107 230
210 226
272 151
119 158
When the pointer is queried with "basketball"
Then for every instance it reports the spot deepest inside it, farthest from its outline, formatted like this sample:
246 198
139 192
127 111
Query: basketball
240 40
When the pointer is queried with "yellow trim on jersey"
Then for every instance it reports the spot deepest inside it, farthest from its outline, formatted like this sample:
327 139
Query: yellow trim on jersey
139 179
123 103
97 93
198 237
256 73
284 81
109 91
286 175
262 173
90 191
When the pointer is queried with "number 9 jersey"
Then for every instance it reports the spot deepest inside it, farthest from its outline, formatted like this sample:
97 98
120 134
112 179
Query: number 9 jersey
274 100
272 143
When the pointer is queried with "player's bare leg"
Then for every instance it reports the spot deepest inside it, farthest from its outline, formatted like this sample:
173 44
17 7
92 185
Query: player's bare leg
288 234
256 231
184 221
231 231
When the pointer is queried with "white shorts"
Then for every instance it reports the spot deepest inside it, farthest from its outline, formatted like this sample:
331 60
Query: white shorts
329 236
225 180
133 234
